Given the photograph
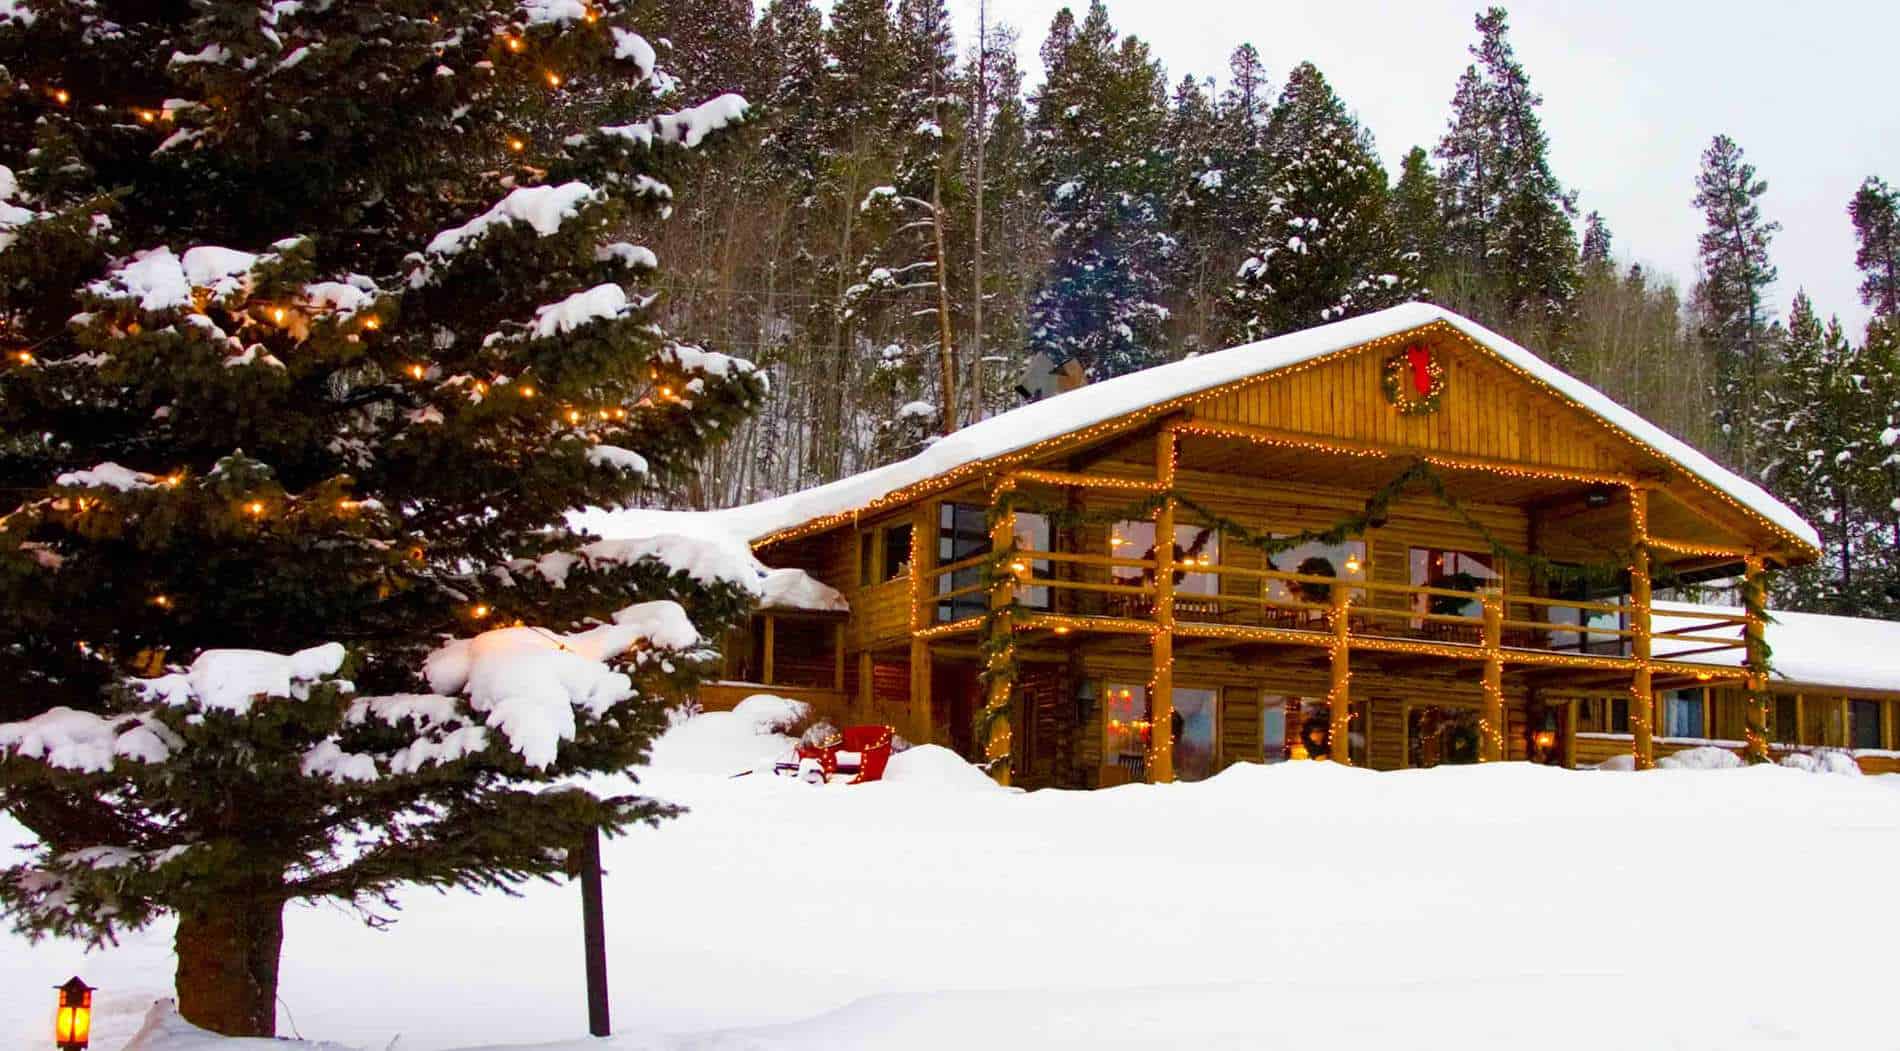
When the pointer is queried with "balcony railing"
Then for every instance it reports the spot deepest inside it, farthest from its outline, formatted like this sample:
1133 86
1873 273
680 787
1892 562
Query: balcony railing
1248 598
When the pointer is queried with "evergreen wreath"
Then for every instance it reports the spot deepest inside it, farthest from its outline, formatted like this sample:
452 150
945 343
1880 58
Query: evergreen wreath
1414 380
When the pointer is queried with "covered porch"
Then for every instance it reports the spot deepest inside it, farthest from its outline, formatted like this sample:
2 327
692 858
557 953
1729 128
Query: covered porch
1367 594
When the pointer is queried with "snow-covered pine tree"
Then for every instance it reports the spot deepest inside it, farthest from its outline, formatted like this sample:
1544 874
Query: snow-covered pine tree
1736 274
1875 212
1323 247
1197 196
905 271
1218 193
317 324
1508 218
1011 232
1096 134
1416 221
1594 256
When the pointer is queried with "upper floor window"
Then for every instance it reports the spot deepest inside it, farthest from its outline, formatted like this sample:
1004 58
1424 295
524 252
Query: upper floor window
1450 570
1345 561
963 533
1194 546
884 553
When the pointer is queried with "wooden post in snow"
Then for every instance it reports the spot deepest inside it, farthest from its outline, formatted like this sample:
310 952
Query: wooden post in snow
1642 690
1161 685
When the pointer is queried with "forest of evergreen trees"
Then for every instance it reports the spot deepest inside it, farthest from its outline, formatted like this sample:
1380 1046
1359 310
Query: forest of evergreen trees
908 224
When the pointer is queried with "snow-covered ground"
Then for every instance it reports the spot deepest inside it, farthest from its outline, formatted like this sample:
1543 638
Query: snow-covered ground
1288 906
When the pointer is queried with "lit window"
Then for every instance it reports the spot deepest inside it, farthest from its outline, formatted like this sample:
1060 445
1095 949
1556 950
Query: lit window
1452 571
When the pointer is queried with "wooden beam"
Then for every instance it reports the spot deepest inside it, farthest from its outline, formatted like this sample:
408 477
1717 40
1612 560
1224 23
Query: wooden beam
922 726
1755 661
1570 734
867 697
1642 692
1339 693
996 741
771 647
837 650
1491 720
1086 481
1348 447
1161 686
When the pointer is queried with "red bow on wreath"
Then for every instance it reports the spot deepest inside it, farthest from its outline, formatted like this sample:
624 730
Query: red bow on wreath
1420 358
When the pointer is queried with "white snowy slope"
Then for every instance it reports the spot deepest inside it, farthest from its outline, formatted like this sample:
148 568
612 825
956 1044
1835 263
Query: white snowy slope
1097 402
1302 905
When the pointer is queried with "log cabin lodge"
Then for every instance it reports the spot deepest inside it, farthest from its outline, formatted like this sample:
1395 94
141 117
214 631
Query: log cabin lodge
1397 541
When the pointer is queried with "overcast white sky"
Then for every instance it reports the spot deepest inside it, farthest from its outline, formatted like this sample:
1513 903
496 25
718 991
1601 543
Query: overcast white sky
1633 91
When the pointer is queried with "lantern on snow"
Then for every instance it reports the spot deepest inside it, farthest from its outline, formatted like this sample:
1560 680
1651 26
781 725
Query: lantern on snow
72 1027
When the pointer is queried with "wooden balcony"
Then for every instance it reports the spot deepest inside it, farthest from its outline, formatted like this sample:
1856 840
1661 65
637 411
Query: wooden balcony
1379 616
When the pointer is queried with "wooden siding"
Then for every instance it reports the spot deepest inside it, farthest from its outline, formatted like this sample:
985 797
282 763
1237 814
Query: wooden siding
881 614
1486 411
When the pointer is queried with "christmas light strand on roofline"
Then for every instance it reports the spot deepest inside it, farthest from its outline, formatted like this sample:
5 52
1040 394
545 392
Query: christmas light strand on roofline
970 471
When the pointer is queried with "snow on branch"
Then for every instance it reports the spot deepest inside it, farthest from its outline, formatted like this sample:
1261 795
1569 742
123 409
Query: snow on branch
12 215
108 475
74 740
528 683
690 126
544 208
601 302
234 680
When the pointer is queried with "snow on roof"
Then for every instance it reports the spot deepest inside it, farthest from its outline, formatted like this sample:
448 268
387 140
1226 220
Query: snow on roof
1811 649
1098 402
797 589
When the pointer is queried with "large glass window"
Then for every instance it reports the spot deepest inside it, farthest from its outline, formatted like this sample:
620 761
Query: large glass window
1194 733
1682 713
1314 740
1125 727
1441 735
1603 715
1601 640
1345 561
963 532
1273 728
1865 719
1454 571
1193 546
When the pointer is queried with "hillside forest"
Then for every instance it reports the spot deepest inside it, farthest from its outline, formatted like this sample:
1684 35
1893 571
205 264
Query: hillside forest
909 234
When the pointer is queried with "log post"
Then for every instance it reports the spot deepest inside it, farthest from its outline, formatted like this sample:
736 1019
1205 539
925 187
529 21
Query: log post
1007 565
923 728
866 695
1339 695
923 532
837 654
1491 728
1642 693
1570 734
1161 684
1755 657
771 648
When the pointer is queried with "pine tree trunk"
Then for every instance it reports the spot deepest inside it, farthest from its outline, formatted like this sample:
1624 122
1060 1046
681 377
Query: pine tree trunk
227 965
